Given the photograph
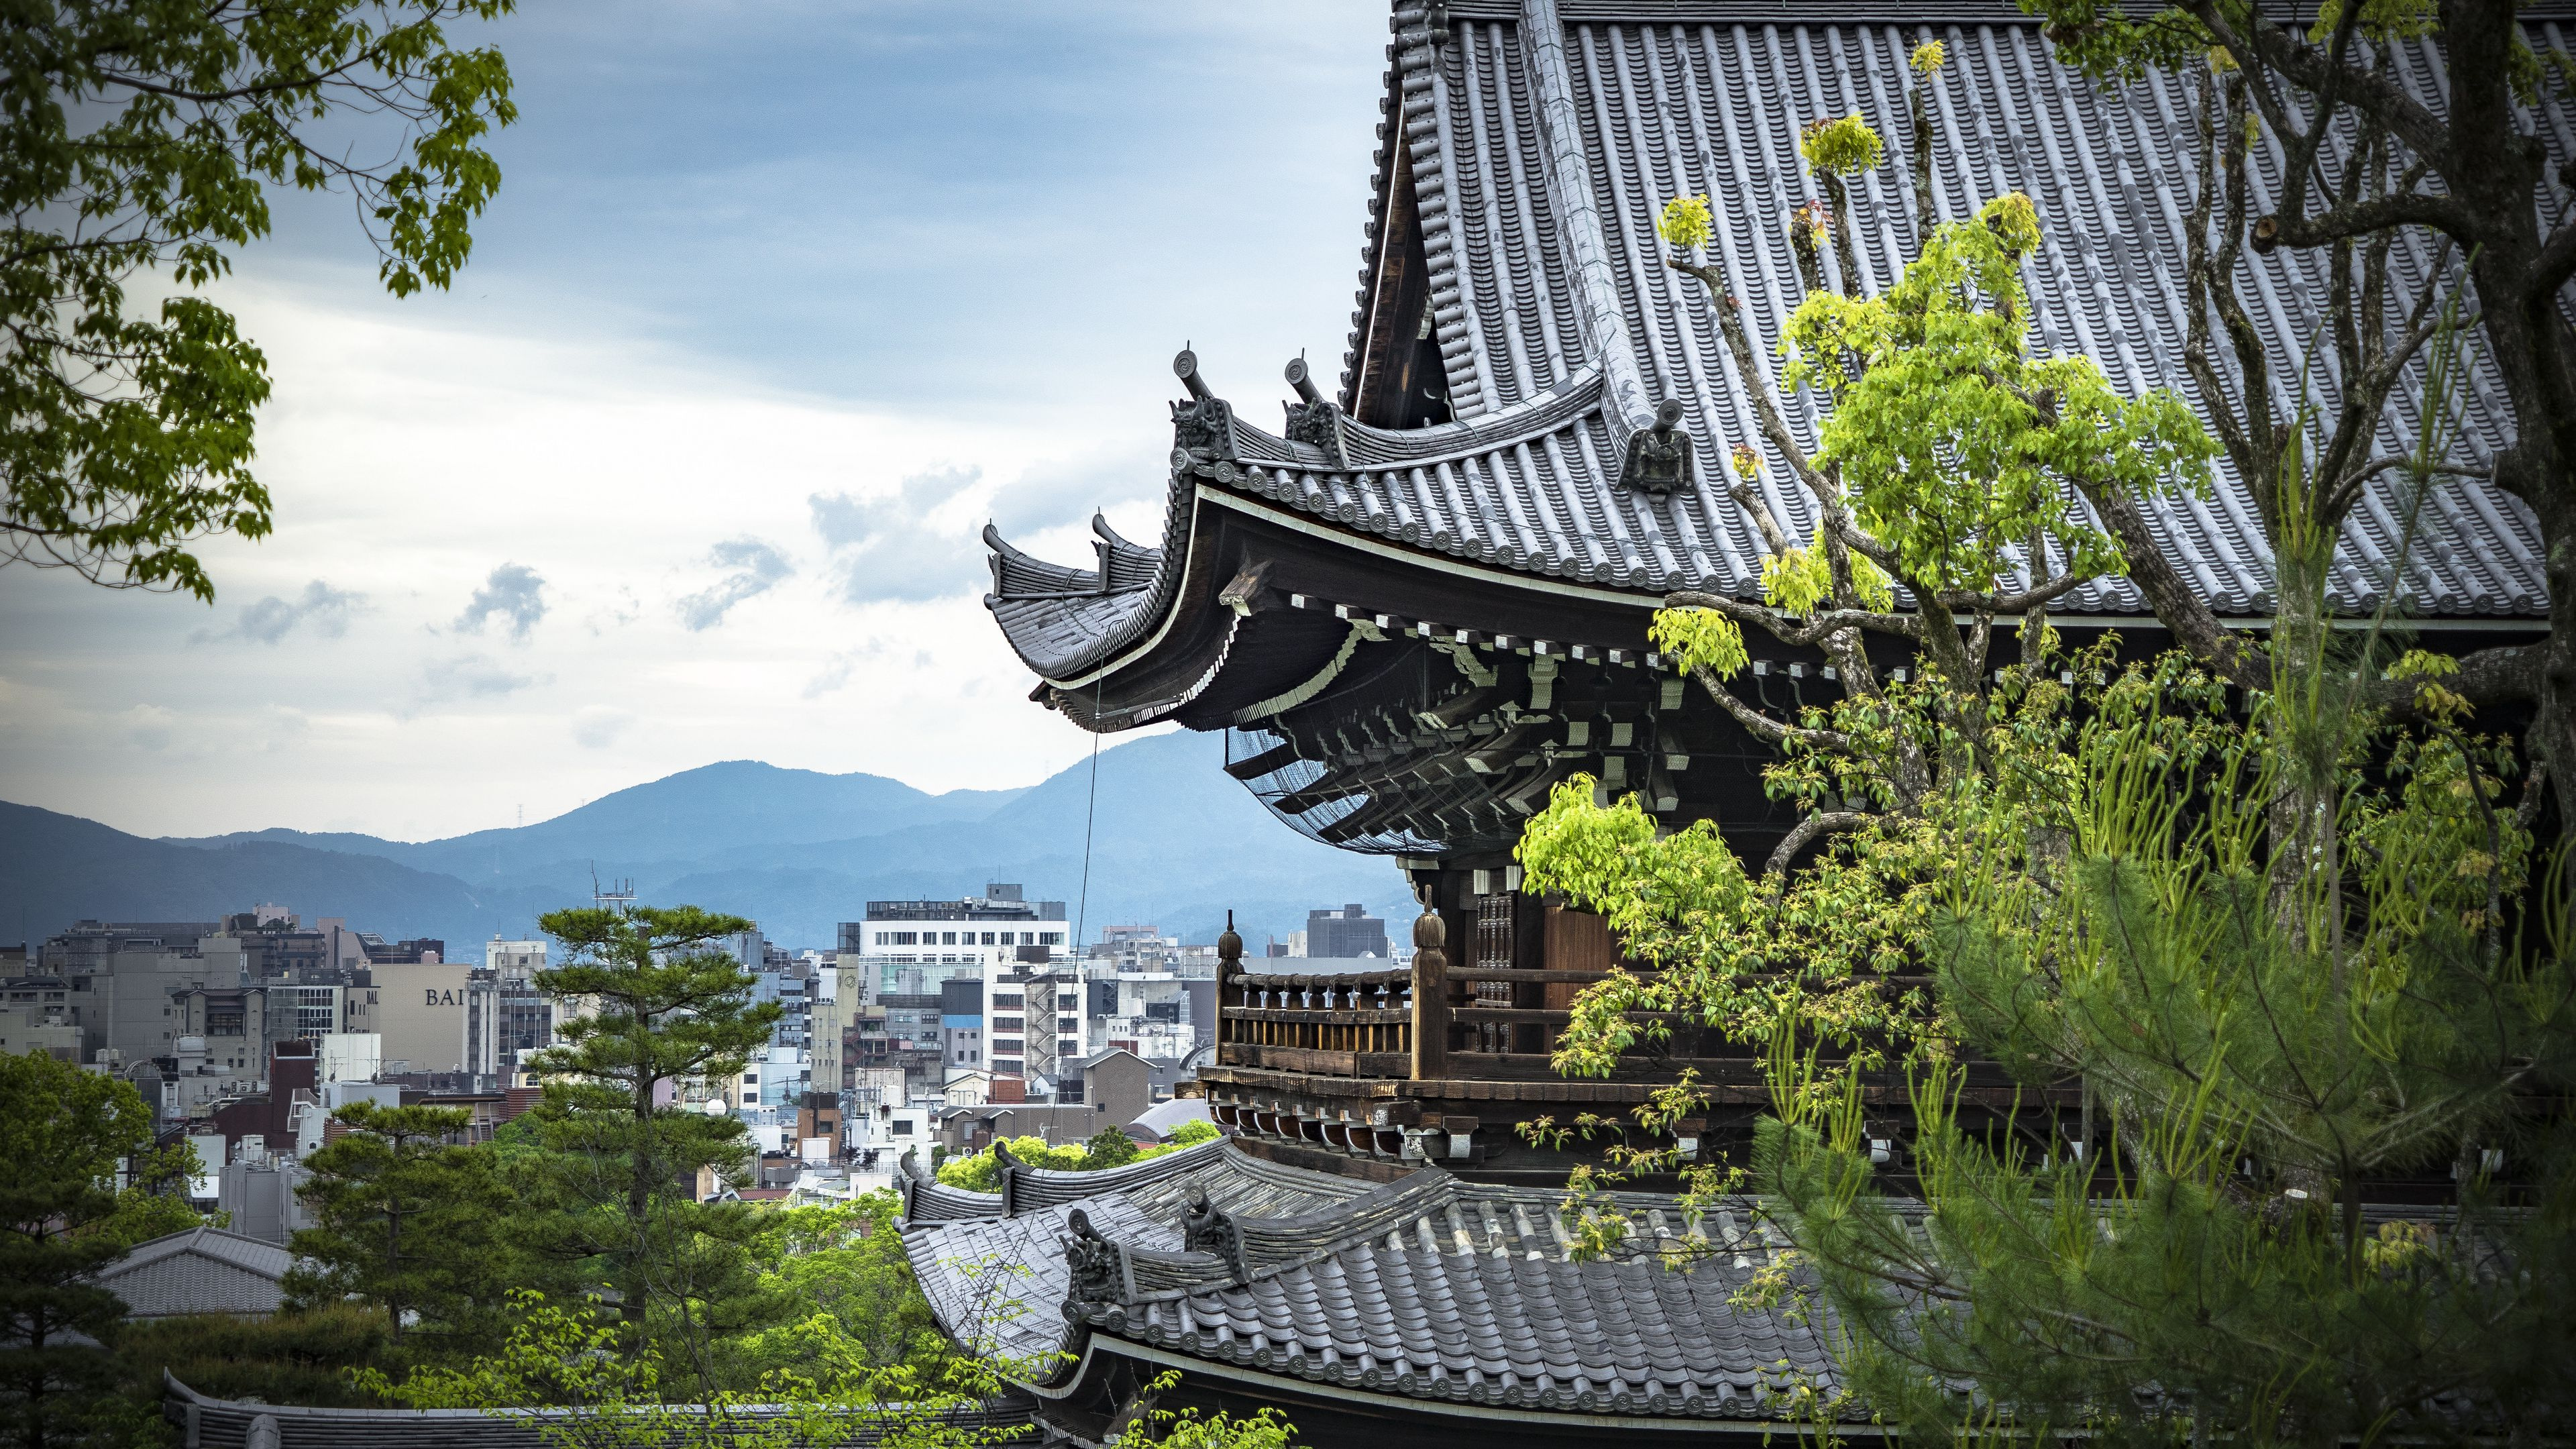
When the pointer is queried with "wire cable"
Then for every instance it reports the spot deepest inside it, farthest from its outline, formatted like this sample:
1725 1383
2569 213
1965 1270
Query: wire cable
1090 813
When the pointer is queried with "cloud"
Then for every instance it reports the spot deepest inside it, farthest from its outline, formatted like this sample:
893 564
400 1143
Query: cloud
468 676
515 592
887 547
597 726
838 669
149 725
271 619
757 568
1060 492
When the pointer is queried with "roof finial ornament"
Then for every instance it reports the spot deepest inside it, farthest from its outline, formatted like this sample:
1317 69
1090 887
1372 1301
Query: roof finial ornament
1207 1228
1659 457
1203 427
1092 1261
1317 419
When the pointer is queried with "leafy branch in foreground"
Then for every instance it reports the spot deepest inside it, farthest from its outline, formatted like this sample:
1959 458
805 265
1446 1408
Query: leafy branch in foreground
137 137
565 1374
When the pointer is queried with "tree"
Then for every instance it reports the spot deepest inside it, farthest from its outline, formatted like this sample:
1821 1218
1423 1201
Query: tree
408 1219
2246 1070
2363 166
651 1007
68 1136
145 136
566 1375
1947 465
845 1260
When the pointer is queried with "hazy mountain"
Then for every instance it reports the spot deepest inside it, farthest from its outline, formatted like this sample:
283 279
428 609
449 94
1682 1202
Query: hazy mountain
686 816
1173 842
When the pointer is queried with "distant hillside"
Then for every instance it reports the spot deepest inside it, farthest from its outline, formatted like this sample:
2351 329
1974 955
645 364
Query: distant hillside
57 869
1175 843
680 817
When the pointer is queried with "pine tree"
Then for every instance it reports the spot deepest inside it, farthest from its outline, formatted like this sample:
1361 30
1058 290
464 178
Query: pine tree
67 1134
651 1008
407 1218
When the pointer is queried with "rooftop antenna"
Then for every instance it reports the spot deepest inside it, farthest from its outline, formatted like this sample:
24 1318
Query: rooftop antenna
619 896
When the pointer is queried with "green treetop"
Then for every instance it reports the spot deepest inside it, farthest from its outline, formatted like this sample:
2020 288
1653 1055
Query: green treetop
407 1218
651 1009
142 137
70 1138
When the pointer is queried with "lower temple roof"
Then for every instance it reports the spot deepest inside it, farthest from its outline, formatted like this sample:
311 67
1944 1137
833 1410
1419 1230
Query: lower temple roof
1428 1288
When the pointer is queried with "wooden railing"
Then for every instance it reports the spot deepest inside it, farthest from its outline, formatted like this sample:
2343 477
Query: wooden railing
1473 1022
1354 1025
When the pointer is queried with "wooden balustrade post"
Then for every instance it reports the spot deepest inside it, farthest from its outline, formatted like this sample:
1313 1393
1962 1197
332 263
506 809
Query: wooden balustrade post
1430 997
1229 987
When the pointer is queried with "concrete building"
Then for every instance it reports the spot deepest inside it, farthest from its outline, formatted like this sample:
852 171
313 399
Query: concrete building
1032 1021
36 1016
423 1019
1350 931
912 946
961 1026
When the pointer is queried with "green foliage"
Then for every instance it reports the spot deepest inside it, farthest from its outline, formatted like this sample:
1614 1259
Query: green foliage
2105 904
1109 1147
567 1375
1801 580
68 1136
148 135
981 1171
410 1221
1686 222
2357 1015
1841 146
296 1357
1955 442
1928 57
845 1261
651 1006
1155 1427
1698 639
1746 953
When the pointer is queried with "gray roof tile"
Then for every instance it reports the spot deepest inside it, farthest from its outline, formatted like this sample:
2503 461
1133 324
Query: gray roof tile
1427 1287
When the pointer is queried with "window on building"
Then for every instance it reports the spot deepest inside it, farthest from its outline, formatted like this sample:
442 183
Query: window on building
1051 938
902 1127
1007 1023
751 1079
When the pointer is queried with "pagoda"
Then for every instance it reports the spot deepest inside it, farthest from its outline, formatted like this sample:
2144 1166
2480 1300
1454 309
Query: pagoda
1417 599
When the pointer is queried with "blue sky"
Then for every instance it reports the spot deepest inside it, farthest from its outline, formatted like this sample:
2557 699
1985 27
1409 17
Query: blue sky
778 304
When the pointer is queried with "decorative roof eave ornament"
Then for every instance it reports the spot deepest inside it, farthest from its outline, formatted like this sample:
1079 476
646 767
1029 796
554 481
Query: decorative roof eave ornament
1202 428
1207 1228
1659 457
1096 1268
1318 419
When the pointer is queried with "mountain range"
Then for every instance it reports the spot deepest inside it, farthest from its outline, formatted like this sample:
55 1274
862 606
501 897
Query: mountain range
1172 842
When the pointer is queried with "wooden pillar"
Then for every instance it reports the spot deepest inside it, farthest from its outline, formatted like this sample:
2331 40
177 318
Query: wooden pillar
1229 986
1430 996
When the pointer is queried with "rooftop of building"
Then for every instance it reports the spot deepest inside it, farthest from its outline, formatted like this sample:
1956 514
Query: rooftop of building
1530 145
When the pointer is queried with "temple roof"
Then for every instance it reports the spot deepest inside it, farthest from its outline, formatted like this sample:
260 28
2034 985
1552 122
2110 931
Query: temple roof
1428 1288
1540 140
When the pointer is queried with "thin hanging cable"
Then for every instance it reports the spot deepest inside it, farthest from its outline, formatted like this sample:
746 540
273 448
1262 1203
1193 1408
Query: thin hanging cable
1090 811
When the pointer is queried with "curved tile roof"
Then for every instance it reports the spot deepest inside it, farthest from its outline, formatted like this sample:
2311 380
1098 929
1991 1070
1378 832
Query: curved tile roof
1427 1287
1544 140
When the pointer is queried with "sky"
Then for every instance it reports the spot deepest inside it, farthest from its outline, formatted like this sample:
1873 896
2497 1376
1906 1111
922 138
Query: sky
778 305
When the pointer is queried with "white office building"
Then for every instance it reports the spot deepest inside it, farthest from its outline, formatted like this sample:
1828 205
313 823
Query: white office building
910 947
